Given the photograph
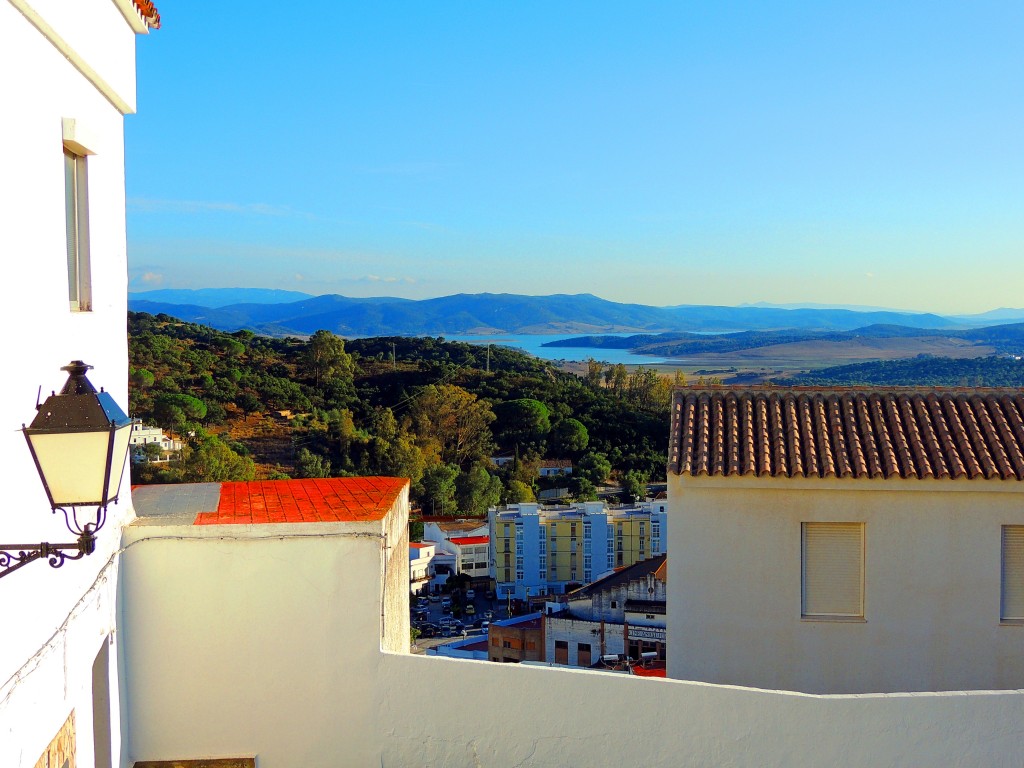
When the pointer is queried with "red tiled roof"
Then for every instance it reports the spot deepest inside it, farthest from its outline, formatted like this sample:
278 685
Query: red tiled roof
147 10
657 669
463 541
328 500
418 545
848 432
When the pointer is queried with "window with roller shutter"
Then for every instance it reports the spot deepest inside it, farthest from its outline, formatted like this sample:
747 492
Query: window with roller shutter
832 570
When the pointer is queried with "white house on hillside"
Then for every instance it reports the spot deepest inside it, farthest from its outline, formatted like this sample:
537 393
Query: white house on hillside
847 541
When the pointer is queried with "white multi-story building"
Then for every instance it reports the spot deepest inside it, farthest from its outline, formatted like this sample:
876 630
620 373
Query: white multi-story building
462 547
539 550
421 566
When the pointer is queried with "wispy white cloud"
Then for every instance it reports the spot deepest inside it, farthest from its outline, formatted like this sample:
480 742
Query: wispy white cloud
149 205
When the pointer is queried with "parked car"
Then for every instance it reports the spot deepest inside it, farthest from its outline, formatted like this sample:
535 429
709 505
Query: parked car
446 601
485 625
488 615
457 626
435 598
447 632
445 621
428 631
470 594
470 609
490 594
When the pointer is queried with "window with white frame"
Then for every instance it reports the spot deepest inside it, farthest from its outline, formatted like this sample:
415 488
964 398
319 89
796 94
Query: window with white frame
76 221
832 570
1011 601
542 542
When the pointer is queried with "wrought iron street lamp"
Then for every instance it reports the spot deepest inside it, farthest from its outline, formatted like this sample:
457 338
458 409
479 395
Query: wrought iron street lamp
79 442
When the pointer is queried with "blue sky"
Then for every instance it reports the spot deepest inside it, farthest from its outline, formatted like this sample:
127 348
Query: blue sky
657 153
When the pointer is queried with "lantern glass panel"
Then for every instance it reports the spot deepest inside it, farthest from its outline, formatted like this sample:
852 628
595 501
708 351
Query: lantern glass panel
74 465
122 437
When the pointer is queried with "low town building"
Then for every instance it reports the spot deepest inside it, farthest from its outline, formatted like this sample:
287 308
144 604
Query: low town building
621 615
554 467
539 550
517 639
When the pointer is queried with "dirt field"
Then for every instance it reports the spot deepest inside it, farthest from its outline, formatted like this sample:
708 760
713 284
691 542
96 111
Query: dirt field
748 366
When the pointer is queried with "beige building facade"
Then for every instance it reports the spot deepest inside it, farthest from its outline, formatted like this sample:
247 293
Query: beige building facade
840 581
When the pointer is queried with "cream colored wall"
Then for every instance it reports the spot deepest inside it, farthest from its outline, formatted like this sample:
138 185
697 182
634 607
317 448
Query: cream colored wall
395 577
932 586
254 640
56 620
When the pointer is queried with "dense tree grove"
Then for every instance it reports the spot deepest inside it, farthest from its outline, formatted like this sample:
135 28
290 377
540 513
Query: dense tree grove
436 412
923 370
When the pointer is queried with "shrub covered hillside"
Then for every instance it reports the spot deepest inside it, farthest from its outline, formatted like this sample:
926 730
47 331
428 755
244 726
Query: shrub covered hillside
248 406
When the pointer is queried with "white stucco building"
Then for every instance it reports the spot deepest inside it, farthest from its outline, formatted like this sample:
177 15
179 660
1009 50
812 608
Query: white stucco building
68 82
462 547
143 434
848 541
421 566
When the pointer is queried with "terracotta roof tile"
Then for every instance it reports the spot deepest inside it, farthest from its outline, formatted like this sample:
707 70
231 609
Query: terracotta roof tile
330 500
463 541
147 10
848 432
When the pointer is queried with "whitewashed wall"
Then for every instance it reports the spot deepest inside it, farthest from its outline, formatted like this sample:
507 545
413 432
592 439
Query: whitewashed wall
576 631
56 621
932 585
270 647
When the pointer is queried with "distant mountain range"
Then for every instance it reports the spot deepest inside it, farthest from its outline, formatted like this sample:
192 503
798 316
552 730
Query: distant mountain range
283 313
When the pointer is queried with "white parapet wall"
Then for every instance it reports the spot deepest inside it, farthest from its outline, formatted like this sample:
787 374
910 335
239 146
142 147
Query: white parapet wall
246 641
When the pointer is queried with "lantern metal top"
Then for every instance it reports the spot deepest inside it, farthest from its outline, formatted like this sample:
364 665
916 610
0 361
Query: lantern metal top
78 407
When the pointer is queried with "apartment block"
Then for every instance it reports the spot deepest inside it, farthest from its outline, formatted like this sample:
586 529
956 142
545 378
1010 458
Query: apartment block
540 550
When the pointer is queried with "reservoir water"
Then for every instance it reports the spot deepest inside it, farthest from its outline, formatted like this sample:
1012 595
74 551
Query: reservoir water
533 344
